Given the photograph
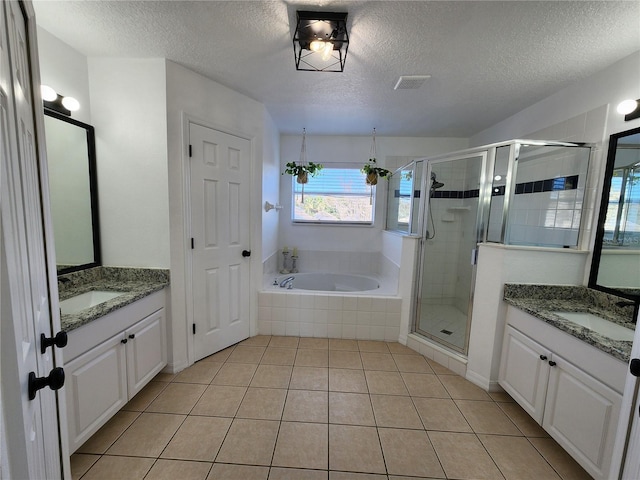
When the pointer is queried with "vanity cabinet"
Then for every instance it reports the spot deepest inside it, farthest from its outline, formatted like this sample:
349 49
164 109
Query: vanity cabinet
110 371
550 376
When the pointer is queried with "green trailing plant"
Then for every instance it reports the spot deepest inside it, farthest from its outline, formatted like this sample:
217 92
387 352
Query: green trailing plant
372 171
292 168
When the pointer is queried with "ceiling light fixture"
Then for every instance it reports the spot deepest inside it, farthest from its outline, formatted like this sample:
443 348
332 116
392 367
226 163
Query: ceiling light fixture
56 102
321 41
630 109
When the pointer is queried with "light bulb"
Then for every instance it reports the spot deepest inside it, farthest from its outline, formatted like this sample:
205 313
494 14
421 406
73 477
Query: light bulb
497 178
316 45
48 93
70 104
627 106
327 50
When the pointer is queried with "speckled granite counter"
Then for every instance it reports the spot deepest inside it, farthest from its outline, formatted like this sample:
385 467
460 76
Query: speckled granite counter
542 300
136 283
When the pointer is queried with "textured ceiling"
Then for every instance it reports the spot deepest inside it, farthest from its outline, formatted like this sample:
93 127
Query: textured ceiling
487 60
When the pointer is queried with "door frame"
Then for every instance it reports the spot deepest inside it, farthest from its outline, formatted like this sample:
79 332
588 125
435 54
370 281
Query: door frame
187 120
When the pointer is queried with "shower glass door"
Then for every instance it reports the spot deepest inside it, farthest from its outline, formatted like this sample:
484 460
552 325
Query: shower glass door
452 228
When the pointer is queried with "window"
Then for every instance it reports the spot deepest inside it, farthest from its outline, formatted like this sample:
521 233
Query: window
336 195
622 224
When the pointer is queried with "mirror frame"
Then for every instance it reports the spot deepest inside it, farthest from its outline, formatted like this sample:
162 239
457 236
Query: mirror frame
93 188
604 202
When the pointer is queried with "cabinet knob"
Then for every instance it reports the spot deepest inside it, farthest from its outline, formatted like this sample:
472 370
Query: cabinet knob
124 340
552 363
60 341
132 336
55 381
543 357
634 367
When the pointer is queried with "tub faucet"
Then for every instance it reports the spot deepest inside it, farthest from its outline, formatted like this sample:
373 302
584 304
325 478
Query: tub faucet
287 281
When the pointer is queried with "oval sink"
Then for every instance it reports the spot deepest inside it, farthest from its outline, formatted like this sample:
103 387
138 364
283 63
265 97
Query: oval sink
600 325
86 300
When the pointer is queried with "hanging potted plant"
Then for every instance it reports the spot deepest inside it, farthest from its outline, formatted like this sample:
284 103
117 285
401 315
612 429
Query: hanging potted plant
373 172
303 169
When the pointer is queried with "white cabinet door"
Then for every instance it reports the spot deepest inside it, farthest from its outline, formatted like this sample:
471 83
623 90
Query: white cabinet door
524 371
146 351
96 388
581 414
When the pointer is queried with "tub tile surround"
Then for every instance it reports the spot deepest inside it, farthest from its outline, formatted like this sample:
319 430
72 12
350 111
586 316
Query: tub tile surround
137 283
542 300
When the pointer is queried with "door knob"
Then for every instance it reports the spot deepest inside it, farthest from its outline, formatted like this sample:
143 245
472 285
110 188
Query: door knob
246 253
60 341
55 381
634 367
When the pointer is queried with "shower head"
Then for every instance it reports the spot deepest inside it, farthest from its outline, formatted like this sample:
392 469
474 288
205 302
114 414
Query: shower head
435 183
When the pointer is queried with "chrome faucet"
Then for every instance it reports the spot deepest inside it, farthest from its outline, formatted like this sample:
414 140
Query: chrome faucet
287 281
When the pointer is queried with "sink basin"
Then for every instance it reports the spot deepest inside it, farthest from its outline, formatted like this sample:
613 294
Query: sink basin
86 300
600 325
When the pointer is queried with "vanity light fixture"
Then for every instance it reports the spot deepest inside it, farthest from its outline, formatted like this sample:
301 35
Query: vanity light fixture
56 102
321 41
630 109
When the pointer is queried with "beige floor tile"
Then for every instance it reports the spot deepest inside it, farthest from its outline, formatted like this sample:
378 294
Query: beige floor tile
355 449
164 377
173 469
559 459
112 467
145 396
235 374
272 376
177 398
378 361
385 383
249 442
395 412
279 356
438 368
350 409
257 341
345 380
342 344
219 401
262 403
200 372
109 433
401 477
462 389
309 378
373 346
278 473
395 347
424 385
220 356
284 342
246 354
221 471
147 436
344 359
80 463
517 459
302 445
314 343
463 457
409 452
503 397
312 358
441 414
486 417
412 363
306 406
198 438
356 476
527 425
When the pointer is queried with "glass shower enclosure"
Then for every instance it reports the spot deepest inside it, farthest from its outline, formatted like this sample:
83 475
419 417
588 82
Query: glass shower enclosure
522 192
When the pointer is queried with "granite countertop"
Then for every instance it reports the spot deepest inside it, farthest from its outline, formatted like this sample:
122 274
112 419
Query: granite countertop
136 283
542 300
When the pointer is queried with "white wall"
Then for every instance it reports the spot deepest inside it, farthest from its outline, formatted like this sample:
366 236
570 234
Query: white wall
270 187
354 150
65 70
128 108
191 94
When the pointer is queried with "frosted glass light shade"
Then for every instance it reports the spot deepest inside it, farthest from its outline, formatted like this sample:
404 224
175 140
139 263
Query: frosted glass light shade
48 93
627 106
71 104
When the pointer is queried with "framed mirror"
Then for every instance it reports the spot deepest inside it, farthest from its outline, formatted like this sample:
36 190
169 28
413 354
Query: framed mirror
616 258
71 159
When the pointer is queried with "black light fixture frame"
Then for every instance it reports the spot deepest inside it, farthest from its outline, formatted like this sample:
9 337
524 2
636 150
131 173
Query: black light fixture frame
326 26
56 106
635 114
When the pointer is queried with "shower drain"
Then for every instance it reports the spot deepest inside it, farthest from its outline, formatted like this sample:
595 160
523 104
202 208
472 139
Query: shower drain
446 332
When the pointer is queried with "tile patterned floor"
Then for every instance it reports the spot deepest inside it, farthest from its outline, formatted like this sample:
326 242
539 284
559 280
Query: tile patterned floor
283 408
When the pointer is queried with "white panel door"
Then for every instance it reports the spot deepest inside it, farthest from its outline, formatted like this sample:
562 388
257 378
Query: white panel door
220 224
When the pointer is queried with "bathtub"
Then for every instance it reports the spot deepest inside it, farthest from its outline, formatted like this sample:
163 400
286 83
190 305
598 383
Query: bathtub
330 282
332 305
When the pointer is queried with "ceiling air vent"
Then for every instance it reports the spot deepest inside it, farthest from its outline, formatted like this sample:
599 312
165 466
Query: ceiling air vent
411 81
